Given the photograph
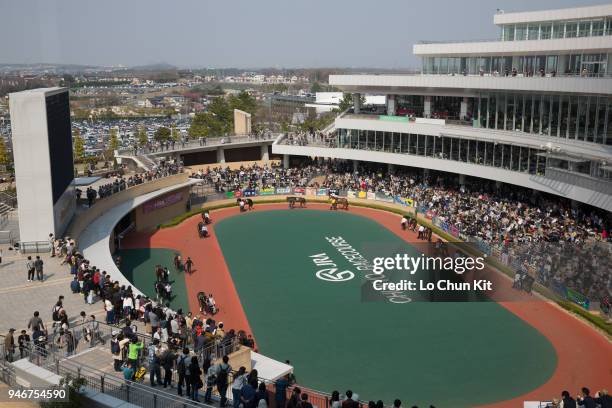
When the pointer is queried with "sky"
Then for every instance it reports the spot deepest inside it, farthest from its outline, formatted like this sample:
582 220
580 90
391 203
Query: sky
244 33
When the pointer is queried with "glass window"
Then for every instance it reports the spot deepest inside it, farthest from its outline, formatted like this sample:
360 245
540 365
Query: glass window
558 30
584 29
554 116
608 26
598 28
600 120
571 30
532 31
545 31
508 32
520 33
564 119
591 113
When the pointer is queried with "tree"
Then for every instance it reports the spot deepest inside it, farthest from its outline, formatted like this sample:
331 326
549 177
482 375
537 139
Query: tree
216 121
316 87
162 134
113 140
5 157
244 102
174 133
78 146
347 102
142 138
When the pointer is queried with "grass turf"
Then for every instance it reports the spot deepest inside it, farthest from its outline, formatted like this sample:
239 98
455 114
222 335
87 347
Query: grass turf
138 266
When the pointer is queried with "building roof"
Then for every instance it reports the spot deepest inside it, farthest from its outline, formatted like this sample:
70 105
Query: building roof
576 13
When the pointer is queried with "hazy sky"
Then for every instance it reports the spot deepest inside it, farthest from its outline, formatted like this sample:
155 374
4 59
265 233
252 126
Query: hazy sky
244 33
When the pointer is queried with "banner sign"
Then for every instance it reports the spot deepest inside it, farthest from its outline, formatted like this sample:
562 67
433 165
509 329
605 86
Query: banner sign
283 190
578 298
322 192
408 202
333 191
249 193
371 195
311 191
238 193
162 202
362 194
351 194
429 214
299 191
266 191
229 194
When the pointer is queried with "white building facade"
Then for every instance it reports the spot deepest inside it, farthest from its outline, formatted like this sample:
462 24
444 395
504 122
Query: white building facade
532 108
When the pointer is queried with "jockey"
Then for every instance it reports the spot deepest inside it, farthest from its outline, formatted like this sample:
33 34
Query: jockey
204 231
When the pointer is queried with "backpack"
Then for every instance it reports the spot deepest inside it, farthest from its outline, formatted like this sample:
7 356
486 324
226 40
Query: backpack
55 313
222 376
152 357
181 366
115 347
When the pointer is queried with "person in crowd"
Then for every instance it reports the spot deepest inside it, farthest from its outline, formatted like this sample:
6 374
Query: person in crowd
349 402
9 346
585 399
24 343
182 363
195 379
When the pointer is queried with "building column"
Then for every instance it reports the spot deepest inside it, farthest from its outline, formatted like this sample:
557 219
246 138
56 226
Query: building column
390 168
462 179
264 152
427 106
357 102
355 166
220 155
463 108
391 105
285 161
425 174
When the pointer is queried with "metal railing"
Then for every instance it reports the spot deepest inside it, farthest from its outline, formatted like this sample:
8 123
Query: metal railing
29 247
195 143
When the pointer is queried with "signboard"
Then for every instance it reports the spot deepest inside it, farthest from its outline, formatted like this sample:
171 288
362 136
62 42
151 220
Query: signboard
238 193
299 191
578 298
249 193
371 195
162 202
229 194
311 191
333 191
351 194
322 192
389 118
267 191
408 202
362 194
283 190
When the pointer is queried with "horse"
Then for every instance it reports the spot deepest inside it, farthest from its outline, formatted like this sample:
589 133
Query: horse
292 200
342 203
249 203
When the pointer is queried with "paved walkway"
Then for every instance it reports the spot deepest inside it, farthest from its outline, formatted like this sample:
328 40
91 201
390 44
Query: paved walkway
20 298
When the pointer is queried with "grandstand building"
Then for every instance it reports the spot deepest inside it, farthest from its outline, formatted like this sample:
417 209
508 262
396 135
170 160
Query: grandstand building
531 108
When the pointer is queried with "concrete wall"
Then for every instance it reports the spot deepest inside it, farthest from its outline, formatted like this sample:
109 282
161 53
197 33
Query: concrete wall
242 122
82 221
37 215
147 220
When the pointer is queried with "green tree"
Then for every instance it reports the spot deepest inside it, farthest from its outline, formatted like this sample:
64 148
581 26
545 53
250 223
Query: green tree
174 132
5 157
78 146
244 102
162 134
142 137
216 121
347 102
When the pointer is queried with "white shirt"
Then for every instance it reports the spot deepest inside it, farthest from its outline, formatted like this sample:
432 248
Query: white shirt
128 302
